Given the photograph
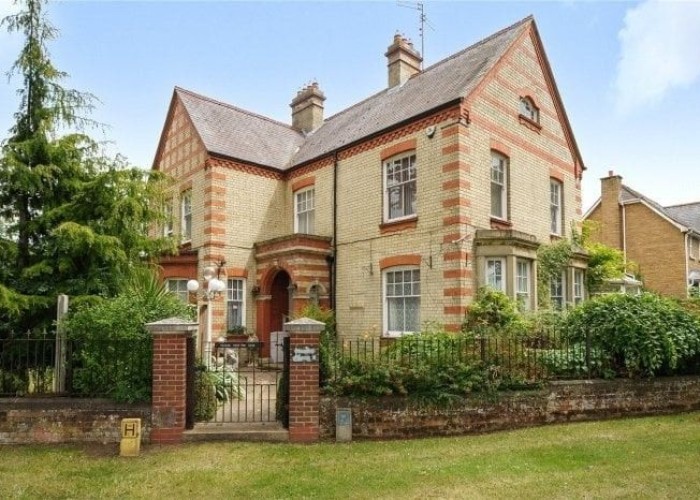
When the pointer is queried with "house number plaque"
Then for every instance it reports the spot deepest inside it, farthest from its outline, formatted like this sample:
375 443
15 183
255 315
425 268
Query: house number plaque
305 355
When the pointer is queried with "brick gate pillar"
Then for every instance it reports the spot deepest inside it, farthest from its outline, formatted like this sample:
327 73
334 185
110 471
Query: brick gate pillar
169 378
304 335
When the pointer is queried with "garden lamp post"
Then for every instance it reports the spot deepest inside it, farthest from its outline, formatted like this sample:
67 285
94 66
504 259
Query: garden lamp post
214 286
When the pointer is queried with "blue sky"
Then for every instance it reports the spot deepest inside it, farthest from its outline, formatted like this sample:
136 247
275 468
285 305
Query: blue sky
628 72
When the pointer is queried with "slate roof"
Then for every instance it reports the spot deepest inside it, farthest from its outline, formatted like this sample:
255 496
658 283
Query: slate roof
439 84
687 215
235 133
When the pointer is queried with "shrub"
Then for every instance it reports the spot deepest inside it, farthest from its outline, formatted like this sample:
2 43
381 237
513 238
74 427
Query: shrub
114 350
433 367
643 335
492 310
205 395
328 340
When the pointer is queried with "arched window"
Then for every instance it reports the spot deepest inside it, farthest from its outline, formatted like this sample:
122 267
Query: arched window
529 110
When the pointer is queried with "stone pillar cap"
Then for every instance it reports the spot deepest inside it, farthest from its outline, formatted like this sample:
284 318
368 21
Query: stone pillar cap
172 325
305 325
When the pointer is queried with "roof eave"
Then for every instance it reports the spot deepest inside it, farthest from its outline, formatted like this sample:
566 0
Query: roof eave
453 102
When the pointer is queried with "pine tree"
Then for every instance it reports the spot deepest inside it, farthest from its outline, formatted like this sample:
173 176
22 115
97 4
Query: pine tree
74 221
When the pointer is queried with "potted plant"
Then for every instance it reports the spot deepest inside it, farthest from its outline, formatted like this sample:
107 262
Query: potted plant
237 333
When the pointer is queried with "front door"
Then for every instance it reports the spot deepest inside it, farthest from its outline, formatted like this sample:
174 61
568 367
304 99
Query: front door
279 308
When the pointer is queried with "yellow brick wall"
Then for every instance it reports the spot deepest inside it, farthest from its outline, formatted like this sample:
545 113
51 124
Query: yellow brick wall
658 248
361 245
533 154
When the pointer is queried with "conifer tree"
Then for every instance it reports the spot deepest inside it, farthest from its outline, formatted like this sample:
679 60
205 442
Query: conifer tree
73 220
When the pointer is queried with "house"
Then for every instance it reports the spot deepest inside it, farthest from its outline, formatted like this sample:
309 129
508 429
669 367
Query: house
392 212
663 241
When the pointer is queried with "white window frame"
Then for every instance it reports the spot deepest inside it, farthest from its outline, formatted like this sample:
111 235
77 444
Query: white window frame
414 292
235 293
407 185
168 222
692 243
529 110
578 286
305 210
556 206
499 184
178 286
491 266
558 300
523 282
186 215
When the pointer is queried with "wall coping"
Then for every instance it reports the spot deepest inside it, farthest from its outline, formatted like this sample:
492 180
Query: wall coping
304 325
59 403
173 326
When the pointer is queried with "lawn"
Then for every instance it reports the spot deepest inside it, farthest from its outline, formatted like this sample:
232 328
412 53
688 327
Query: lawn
636 458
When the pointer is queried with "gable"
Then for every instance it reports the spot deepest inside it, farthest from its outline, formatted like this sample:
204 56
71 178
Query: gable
180 148
524 72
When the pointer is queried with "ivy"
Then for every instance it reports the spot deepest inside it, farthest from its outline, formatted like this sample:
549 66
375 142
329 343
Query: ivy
552 261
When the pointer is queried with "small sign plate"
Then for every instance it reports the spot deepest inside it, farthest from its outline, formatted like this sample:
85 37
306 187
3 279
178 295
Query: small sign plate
305 355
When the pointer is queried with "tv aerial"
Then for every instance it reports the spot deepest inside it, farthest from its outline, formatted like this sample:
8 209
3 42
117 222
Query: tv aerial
422 22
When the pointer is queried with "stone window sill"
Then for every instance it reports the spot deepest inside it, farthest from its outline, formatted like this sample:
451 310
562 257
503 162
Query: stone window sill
527 122
497 223
399 225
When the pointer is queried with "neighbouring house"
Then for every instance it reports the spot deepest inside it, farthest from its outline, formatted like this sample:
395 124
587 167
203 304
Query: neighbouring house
664 242
392 212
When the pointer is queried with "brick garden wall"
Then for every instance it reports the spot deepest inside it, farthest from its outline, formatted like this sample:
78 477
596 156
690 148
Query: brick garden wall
388 418
66 420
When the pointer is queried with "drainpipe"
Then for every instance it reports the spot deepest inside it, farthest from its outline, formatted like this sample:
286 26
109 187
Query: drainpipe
686 264
332 259
624 237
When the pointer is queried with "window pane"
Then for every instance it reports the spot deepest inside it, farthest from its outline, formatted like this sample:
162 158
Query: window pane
403 300
400 182
499 176
496 200
305 209
234 303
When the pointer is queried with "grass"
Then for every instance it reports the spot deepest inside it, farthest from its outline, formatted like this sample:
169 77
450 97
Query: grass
637 458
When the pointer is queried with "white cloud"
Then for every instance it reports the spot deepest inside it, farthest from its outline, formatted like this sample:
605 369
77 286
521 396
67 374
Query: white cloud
660 50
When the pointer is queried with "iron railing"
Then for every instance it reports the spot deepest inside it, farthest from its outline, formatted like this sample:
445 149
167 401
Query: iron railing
35 364
526 360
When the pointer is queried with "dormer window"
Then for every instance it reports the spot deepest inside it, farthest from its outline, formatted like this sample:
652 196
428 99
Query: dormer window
529 110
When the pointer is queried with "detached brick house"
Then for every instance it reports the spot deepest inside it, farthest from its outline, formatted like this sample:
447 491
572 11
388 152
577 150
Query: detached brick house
392 212
663 241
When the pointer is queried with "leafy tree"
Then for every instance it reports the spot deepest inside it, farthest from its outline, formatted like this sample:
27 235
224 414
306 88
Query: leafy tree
74 221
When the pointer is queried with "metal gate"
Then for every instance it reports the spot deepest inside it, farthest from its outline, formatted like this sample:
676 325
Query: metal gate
246 383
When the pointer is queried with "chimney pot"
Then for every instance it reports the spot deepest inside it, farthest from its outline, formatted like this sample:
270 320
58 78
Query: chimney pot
403 60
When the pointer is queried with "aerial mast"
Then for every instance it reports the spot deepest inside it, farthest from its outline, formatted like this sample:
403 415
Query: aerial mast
422 21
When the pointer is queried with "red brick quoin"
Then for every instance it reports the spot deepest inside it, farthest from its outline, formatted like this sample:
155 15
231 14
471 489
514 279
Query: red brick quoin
169 378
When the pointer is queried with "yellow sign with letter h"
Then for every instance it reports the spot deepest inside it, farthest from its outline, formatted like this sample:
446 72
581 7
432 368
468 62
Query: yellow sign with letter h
130 445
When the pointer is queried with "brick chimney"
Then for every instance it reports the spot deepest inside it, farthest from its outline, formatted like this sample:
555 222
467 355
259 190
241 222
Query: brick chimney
403 60
611 210
307 108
